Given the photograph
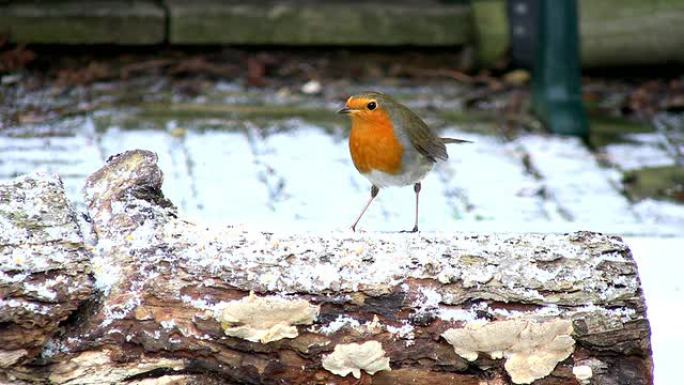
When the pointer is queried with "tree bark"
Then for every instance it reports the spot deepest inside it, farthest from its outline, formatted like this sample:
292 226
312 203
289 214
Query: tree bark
156 299
43 266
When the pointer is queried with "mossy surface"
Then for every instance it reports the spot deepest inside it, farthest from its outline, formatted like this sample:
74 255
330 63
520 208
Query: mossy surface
655 182
330 24
606 130
491 31
73 22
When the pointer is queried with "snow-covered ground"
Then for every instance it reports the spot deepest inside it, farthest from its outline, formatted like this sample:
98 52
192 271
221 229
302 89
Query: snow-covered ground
304 179
661 265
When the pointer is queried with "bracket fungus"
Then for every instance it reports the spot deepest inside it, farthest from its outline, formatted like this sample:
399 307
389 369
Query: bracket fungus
352 358
532 350
265 319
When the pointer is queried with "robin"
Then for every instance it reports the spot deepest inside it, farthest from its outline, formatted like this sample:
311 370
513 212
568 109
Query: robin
391 145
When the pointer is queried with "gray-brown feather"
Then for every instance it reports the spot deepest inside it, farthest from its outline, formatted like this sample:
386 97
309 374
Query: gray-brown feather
419 133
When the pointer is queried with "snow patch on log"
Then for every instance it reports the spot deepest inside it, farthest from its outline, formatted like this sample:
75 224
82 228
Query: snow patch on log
265 319
352 358
531 349
336 325
371 327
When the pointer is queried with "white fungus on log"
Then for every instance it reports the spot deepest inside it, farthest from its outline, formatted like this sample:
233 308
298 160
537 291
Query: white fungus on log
352 358
531 349
583 373
265 319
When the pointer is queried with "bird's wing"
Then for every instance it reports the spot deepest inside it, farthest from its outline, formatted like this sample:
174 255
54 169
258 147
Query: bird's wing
422 137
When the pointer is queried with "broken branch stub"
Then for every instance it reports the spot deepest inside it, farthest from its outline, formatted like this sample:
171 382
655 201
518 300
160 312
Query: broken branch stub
178 301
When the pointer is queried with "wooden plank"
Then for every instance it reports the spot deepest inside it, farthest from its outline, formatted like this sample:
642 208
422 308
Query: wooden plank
79 22
360 23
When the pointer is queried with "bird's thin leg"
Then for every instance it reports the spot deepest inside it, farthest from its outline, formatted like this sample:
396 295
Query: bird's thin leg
374 192
416 188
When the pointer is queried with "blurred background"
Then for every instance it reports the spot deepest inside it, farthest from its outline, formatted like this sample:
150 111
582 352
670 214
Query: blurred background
575 108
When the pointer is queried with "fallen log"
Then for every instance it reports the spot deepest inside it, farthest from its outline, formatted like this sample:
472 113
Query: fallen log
177 302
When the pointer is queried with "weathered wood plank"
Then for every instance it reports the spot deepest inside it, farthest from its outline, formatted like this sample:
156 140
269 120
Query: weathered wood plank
324 24
77 22
631 32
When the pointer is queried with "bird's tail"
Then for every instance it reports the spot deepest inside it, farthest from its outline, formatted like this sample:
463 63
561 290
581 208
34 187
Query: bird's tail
452 140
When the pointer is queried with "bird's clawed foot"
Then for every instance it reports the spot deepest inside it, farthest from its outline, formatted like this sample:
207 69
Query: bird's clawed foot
415 230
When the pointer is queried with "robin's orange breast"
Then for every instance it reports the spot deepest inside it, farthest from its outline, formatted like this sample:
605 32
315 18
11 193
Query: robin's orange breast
373 144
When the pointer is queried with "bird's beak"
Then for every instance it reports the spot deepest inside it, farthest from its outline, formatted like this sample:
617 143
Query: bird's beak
345 110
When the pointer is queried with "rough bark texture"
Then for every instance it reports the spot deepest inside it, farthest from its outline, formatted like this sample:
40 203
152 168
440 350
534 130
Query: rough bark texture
179 303
44 267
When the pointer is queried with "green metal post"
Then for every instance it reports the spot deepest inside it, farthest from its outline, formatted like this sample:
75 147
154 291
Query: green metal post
556 86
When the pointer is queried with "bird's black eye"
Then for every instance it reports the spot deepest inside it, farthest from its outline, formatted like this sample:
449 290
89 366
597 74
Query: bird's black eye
371 106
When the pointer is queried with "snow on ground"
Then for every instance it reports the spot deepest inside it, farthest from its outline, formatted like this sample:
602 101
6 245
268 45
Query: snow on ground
224 178
304 179
489 180
632 156
661 265
73 158
304 188
575 182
